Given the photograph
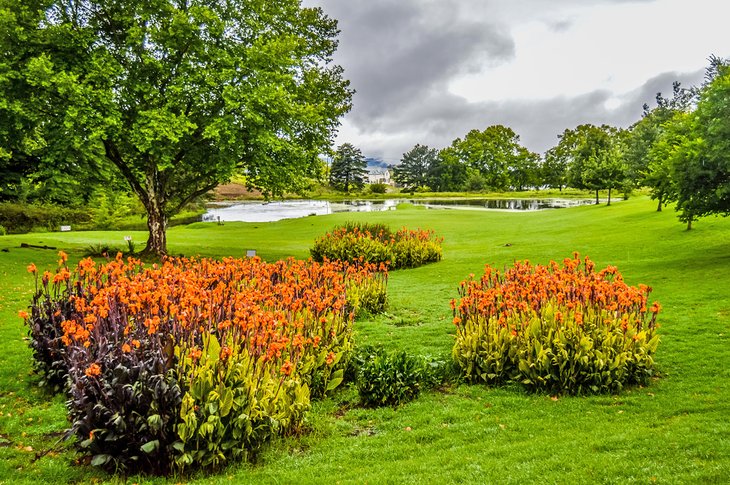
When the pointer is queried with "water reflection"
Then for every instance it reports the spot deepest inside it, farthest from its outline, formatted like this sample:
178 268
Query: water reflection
291 209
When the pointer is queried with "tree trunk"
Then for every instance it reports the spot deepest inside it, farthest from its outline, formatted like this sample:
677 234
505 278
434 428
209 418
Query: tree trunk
659 206
689 224
157 227
609 196
597 197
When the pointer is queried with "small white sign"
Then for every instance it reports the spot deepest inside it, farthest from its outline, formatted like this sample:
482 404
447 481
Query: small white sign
250 253
65 228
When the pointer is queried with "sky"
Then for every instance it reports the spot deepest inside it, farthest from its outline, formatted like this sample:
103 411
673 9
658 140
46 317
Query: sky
429 71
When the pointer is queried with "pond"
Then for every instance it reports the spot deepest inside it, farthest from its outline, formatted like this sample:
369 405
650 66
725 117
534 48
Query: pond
257 211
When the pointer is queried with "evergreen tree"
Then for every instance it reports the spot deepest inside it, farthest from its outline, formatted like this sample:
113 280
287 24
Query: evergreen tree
348 168
415 166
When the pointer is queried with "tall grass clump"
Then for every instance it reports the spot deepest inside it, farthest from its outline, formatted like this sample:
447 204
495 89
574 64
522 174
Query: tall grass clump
559 329
191 363
377 243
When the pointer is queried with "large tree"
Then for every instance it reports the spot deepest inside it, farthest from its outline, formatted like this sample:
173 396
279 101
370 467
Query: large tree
647 148
415 166
494 153
175 95
593 156
701 145
348 168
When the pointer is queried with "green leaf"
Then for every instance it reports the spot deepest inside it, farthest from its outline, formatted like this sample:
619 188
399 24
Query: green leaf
150 446
226 402
99 460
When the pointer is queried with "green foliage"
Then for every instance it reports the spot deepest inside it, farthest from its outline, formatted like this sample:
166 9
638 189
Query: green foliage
20 218
448 173
706 160
496 154
368 296
593 156
378 188
171 97
348 168
233 406
390 379
378 244
415 167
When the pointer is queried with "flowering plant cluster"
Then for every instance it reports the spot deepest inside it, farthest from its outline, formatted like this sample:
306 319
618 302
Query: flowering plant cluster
376 243
561 329
192 362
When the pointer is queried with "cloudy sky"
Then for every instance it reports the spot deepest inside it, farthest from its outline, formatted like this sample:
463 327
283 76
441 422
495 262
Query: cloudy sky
428 71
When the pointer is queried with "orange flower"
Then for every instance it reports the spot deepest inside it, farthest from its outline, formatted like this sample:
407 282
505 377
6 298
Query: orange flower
93 370
23 314
63 258
330 358
136 343
126 348
287 368
32 268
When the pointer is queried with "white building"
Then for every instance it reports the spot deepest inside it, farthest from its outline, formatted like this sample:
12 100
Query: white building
378 175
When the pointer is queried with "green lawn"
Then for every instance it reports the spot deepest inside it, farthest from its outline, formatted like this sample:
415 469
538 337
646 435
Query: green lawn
675 431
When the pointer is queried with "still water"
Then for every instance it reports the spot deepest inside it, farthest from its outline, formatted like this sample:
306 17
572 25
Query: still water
257 211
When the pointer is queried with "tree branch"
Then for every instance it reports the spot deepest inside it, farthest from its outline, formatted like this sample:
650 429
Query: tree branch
112 153
193 195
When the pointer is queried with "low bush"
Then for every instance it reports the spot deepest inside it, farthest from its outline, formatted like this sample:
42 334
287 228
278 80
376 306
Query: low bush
384 379
191 363
376 243
390 379
378 188
566 329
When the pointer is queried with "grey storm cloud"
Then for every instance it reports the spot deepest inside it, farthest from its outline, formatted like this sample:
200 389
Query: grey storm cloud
401 56
395 53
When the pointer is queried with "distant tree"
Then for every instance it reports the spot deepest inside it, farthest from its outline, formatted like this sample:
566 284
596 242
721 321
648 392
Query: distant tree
173 97
553 171
415 166
448 173
348 168
496 153
524 171
593 155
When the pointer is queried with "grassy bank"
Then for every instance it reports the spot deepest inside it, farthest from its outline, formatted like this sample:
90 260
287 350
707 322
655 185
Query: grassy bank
674 431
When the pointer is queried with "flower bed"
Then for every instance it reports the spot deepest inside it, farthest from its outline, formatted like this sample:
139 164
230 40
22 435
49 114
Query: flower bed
566 329
192 363
376 243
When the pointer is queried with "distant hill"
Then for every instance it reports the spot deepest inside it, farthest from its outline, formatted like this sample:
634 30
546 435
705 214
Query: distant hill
376 163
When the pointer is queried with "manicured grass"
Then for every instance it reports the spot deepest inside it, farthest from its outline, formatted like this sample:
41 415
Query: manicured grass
675 431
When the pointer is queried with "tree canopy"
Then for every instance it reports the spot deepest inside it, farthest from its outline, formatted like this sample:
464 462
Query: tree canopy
497 155
592 156
415 167
172 96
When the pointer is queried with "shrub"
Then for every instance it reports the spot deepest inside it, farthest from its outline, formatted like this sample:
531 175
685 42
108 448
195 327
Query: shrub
389 379
564 329
378 188
191 362
376 243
